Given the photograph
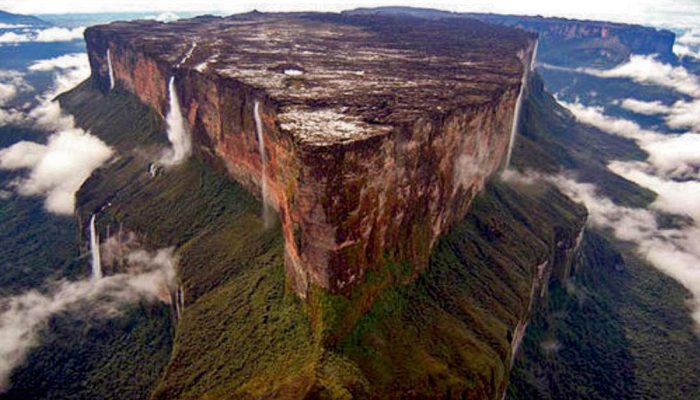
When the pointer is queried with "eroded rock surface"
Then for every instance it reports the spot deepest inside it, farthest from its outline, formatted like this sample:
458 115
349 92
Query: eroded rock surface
378 131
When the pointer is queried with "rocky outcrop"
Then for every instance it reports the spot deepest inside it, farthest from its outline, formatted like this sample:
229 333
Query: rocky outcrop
378 132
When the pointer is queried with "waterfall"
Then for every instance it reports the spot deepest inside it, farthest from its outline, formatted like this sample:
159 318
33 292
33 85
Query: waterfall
178 134
95 250
111 71
263 159
534 56
518 105
179 302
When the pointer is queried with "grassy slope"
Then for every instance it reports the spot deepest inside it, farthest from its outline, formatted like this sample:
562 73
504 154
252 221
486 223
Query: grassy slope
447 333
244 335
618 337
240 326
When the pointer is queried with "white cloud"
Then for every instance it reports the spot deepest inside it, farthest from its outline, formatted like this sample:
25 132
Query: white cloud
685 51
671 155
646 70
54 34
684 114
7 92
59 167
66 61
11 83
673 251
151 276
12 26
617 126
675 197
12 37
690 37
57 34
164 17
645 107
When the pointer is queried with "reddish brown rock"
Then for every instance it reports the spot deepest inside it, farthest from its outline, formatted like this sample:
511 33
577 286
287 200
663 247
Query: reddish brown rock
378 131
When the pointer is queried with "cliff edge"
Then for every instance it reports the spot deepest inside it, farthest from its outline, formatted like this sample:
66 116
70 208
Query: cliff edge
369 135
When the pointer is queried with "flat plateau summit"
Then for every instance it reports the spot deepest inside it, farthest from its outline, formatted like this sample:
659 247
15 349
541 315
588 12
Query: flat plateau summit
370 135
338 78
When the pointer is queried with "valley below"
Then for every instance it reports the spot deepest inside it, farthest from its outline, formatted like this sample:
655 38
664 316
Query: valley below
380 203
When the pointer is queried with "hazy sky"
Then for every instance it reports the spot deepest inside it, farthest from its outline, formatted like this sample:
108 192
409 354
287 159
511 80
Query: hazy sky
652 12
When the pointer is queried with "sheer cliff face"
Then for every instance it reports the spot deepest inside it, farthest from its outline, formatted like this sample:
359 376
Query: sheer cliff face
377 132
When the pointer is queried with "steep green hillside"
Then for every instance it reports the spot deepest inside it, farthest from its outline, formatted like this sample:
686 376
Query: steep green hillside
446 333
243 334
608 334
618 329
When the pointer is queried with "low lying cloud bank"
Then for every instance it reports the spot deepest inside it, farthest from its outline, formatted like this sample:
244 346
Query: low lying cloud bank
672 170
66 61
150 277
646 70
595 116
11 83
673 251
12 26
688 44
644 107
58 167
54 34
676 156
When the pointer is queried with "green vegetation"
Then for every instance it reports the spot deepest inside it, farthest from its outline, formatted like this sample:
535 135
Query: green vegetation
551 139
618 328
79 354
244 334
608 334
95 357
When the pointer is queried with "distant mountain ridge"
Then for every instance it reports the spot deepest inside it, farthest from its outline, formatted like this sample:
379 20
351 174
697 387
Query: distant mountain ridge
565 41
19 19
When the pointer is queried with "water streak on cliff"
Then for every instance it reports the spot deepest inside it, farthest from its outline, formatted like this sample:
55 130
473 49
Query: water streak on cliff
111 71
178 134
518 104
179 302
261 149
533 60
95 250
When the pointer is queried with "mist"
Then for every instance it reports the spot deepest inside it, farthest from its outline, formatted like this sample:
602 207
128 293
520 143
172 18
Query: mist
150 277
54 34
645 70
57 168
672 171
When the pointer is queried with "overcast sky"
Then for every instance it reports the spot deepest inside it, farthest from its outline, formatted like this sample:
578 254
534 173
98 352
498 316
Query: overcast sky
652 12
